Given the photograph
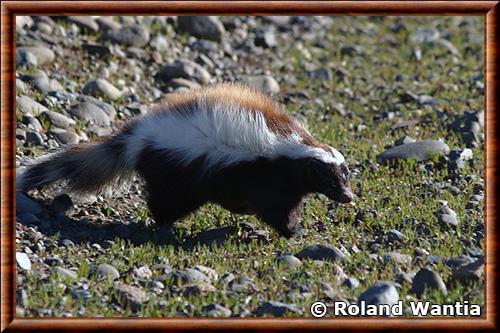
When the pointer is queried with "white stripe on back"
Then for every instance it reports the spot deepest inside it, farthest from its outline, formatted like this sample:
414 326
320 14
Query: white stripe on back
224 133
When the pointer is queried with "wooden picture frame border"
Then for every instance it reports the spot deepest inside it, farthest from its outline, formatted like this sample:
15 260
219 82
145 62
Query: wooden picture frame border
10 9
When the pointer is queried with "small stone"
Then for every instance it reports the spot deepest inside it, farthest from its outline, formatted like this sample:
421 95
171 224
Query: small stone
34 138
264 83
447 216
106 271
23 261
90 112
395 235
191 276
209 272
57 119
321 252
26 205
183 69
107 23
396 257
108 109
131 296
28 106
199 288
382 292
80 293
67 137
205 27
420 151
276 309
85 22
43 54
101 88
405 278
216 310
351 282
97 49
459 261
403 140
143 272
38 79
469 273
426 279
266 39
64 273
288 261
135 35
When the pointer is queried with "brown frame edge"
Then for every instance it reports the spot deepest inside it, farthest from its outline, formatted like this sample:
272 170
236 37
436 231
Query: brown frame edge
489 9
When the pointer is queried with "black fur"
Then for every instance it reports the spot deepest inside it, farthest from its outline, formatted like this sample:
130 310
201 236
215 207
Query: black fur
271 189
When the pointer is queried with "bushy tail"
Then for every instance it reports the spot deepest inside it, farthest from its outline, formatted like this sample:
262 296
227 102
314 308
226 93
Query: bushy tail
87 168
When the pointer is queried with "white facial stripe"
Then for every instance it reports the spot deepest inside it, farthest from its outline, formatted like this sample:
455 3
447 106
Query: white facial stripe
337 156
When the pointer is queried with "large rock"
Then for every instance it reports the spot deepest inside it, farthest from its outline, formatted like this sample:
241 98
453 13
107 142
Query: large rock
38 79
276 309
420 151
206 27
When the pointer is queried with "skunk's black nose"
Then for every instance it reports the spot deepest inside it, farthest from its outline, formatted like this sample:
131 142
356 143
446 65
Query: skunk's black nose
346 196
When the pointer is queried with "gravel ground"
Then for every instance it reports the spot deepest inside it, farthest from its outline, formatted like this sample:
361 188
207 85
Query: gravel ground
401 98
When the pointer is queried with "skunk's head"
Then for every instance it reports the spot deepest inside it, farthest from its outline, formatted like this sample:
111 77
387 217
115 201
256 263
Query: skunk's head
331 177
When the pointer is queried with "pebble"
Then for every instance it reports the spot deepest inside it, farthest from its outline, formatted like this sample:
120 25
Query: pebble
131 296
90 112
264 83
459 261
266 39
64 272
184 69
67 137
28 106
143 272
382 292
107 23
209 272
403 140
106 271
34 139
23 261
57 119
216 310
321 252
135 35
288 261
420 151
469 273
107 108
447 216
425 279
206 27
26 205
396 257
101 88
191 276
395 235
80 293
38 79
277 309
85 22
351 282
43 54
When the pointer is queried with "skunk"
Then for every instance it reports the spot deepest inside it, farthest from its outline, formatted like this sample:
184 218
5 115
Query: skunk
226 144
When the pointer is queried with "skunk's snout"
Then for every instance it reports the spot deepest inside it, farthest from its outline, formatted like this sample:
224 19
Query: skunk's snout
345 196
